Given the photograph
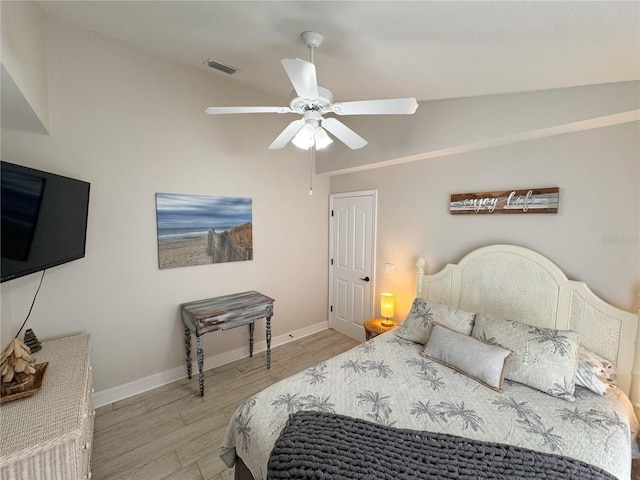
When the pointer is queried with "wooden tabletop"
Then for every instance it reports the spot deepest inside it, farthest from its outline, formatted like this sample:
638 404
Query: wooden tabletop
225 305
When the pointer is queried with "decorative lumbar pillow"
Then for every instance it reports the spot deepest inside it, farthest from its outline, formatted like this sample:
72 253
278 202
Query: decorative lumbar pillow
543 358
419 322
481 361
594 372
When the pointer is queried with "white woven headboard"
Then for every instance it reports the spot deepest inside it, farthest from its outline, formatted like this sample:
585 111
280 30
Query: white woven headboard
516 283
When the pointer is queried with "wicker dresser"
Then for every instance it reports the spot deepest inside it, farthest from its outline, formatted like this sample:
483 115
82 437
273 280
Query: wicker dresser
48 436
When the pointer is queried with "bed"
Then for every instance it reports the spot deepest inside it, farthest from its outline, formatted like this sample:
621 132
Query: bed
481 375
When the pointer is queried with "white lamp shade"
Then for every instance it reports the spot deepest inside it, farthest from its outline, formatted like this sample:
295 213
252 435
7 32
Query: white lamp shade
305 137
387 305
322 138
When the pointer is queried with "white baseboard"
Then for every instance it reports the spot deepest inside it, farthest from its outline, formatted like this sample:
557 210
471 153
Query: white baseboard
111 395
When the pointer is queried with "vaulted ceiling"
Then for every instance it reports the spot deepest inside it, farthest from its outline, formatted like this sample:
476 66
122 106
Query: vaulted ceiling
384 49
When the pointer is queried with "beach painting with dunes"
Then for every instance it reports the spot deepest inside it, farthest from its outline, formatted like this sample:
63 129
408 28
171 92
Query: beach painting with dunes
200 229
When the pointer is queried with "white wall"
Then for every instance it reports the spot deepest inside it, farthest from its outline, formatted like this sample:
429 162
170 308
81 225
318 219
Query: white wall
23 63
594 237
133 124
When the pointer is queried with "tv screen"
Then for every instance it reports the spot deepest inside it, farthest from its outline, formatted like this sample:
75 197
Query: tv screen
44 220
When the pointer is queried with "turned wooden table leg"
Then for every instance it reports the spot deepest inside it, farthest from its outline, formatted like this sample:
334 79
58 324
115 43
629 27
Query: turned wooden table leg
251 325
187 346
200 356
268 342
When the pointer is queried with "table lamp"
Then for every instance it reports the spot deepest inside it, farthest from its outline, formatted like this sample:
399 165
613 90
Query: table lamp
387 304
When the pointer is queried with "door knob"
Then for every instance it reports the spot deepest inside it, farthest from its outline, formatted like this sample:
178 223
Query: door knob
365 279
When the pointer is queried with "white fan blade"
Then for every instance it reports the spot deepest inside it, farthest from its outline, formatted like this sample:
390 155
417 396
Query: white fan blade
224 110
287 134
303 77
392 106
344 133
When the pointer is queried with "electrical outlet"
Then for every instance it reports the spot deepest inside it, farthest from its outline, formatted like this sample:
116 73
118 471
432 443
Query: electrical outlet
389 268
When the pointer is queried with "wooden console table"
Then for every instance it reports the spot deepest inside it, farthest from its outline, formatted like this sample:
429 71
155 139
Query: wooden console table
223 313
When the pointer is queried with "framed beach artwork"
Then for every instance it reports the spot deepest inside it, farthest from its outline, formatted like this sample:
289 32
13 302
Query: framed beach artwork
200 229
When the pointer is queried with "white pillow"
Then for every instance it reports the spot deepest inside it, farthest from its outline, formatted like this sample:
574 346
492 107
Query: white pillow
594 372
481 361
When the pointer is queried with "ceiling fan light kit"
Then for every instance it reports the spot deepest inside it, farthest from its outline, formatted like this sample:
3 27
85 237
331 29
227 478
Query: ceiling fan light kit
305 138
312 102
322 139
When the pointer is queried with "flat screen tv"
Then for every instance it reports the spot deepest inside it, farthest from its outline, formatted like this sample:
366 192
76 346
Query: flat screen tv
44 220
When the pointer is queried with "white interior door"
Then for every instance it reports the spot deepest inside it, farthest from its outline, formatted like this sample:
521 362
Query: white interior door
351 270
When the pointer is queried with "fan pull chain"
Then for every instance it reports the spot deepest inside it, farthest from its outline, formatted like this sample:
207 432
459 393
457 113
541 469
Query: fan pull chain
311 168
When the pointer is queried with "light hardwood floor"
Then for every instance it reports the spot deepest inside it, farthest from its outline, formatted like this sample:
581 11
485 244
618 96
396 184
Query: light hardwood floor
171 433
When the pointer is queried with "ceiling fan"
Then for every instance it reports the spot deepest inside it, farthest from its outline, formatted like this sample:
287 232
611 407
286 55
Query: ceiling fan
312 102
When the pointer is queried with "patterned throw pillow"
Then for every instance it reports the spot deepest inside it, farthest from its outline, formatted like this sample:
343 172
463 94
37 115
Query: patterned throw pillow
594 372
543 358
419 322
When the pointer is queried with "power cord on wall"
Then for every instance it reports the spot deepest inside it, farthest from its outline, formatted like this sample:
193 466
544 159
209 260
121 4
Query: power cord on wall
32 304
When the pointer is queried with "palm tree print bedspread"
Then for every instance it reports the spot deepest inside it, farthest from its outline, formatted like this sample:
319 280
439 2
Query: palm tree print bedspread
385 381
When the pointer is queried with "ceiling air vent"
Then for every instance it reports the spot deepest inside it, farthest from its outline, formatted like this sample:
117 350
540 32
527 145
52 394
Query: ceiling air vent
219 66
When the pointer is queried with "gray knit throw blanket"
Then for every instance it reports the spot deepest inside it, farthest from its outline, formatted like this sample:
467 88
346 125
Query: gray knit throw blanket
317 445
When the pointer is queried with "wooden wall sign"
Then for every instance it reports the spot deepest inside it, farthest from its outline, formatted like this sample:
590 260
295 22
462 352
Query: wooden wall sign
534 200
